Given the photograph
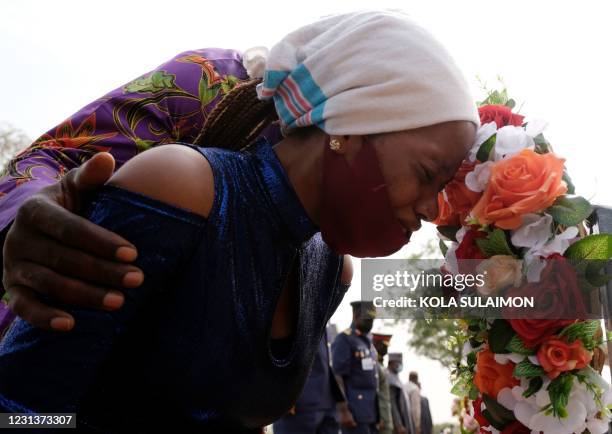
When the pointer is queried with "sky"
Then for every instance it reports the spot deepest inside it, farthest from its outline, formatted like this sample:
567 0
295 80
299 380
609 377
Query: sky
554 57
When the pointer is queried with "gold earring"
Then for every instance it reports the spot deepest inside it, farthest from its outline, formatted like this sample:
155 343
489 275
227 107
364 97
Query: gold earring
335 145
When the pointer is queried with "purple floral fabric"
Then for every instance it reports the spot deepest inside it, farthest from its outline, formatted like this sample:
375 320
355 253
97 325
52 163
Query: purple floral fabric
166 105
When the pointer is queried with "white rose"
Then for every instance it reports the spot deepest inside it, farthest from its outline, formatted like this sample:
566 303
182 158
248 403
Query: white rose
478 178
503 359
535 127
535 231
558 244
483 134
450 259
511 140
506 398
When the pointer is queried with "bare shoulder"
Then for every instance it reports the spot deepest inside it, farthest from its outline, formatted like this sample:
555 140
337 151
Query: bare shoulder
174 174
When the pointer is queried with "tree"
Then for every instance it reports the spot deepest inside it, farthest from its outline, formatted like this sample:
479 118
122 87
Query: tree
436 339
12 140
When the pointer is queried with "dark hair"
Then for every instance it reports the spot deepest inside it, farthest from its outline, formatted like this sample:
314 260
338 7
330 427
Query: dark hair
237 119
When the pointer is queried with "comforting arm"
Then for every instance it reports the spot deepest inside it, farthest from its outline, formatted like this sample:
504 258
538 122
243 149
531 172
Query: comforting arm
155 108
50 371
165 105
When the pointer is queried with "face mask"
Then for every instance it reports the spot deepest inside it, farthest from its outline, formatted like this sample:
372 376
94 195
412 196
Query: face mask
399 368
365 326
356 216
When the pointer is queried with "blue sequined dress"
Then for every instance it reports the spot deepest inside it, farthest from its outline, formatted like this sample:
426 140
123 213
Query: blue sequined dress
190 350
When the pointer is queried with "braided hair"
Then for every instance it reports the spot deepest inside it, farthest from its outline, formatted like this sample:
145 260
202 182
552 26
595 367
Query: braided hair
237 119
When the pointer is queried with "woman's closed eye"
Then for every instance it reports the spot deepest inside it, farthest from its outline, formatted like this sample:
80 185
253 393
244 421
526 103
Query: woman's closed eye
428 175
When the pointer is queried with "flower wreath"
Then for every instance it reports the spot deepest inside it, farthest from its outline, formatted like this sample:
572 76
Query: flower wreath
511 205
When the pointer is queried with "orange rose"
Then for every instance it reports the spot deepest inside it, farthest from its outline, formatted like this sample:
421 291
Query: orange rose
527 182
460 198
491 377
556 356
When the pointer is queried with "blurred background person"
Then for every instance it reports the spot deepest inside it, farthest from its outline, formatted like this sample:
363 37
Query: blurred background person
426 422
354 360
400 406
413 392
381 343
315 410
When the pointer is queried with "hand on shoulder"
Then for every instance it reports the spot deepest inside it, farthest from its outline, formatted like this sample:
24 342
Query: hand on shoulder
175 174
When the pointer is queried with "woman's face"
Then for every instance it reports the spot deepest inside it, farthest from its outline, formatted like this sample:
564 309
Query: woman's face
375 195
417 164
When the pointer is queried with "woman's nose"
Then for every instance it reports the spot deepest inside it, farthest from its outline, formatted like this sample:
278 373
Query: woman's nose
427 209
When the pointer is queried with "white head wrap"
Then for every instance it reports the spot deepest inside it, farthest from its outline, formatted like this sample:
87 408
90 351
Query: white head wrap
362 73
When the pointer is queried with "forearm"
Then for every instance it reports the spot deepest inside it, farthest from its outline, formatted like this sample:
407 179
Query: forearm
35 168
342 405
51 371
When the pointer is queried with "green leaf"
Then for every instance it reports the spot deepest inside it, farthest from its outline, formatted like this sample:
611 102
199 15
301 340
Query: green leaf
499 416
475 343
535 384
460 388
570 210
496 243
571 189
528 369
443 247
473 393
598 246
449 232
500 335
494 422
584 330
595 273
559 390
516 345
511 103
485 149
541 144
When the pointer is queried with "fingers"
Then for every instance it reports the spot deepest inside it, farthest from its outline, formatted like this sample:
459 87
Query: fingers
74 263
66 289
94 173
70 229
75 186
25 304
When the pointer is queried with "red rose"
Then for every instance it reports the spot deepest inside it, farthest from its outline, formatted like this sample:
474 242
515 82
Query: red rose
482 421
500 114
558 301
516 428
535 331
468 253
468 249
